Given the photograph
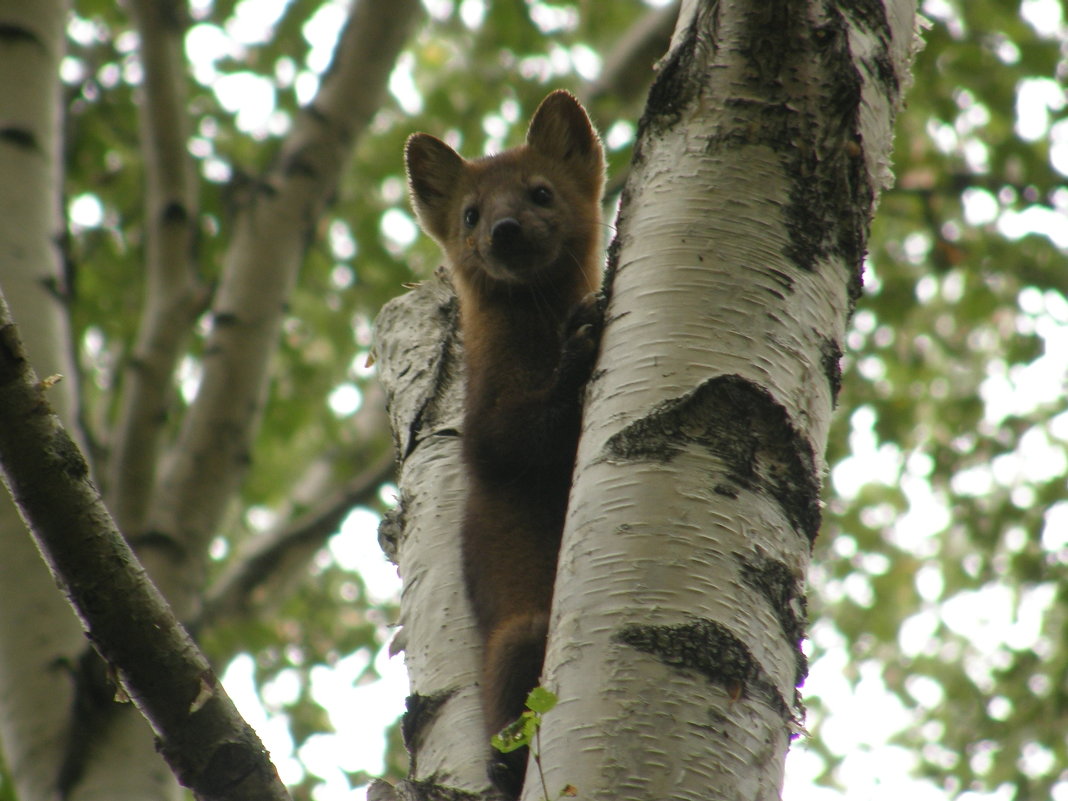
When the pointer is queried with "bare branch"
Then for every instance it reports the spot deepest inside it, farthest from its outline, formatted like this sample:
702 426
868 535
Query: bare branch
254 577
629 70
174 296
629 66
203 738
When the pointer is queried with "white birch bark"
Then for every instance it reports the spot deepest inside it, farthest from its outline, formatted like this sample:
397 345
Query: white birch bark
675 647
174 294
420 365
38 633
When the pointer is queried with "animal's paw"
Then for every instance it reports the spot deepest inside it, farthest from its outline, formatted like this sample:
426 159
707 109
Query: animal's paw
582 335
587 312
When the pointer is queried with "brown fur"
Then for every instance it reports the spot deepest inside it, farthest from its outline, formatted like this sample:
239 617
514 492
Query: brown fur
521 234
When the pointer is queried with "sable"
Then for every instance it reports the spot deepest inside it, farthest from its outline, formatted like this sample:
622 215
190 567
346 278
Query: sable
521 234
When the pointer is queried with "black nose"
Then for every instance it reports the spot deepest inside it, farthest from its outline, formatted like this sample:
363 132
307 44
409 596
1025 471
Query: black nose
507 234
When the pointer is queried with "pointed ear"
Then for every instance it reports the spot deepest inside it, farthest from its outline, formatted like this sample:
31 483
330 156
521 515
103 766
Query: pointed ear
561 130
434 171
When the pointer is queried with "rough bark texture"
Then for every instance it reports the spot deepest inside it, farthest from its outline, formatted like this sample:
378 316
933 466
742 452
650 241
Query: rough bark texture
679 611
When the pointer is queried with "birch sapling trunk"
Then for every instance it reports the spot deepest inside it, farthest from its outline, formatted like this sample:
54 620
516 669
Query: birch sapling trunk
420 366
38 634
675 646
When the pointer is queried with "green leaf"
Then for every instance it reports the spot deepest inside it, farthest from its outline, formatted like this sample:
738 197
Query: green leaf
541 700
517 734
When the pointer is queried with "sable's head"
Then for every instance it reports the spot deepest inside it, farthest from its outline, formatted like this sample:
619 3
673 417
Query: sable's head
529 216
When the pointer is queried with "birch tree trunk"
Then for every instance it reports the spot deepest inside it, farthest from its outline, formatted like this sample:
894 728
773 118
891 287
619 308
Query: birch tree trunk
38 633
675 647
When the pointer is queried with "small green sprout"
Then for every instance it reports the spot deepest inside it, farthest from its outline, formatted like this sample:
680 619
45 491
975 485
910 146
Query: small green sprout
526 731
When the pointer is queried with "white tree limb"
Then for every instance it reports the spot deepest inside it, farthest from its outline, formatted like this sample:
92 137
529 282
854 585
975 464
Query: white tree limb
37 632
174 295
419 364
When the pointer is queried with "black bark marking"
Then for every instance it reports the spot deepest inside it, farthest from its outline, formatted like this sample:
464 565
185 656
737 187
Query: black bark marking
175 213
741 424
784 591
447 363
391 528
802 101
22 138
419 711
831 359
677 82
871 16
831 203
300 165
225 319
823 216
712 651
13 34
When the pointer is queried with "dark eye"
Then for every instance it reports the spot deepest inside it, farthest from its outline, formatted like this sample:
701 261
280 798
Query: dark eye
471 217
542 195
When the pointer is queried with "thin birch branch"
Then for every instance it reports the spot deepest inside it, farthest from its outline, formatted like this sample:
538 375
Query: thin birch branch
272 232
629 70
629 67
174 296
253 579
201 735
